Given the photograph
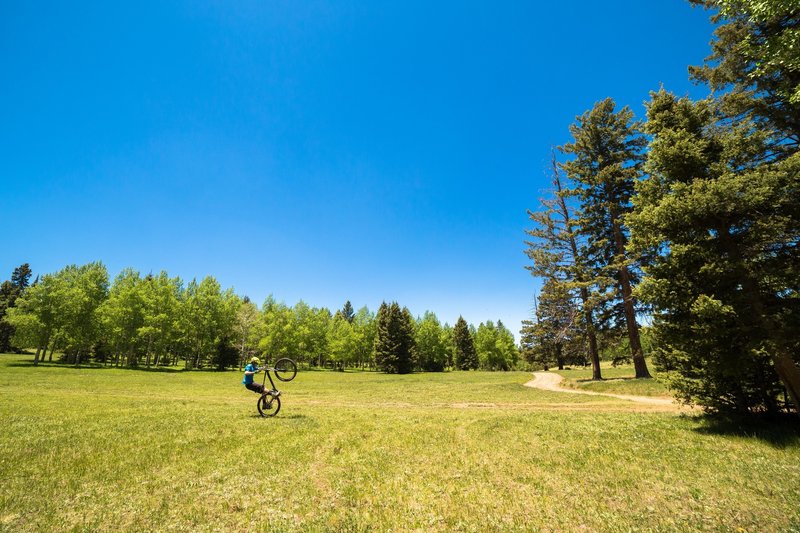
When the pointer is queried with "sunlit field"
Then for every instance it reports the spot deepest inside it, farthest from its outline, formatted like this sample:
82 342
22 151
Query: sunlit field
108 449
616 379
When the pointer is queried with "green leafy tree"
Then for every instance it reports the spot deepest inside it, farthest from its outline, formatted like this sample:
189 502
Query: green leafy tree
343 341
122 315
365 327
312 324
725 223
465 356
450 345
247 329
209 314
607 150
159 332
61 309
278 337
37 315
84 288
431 341
495 346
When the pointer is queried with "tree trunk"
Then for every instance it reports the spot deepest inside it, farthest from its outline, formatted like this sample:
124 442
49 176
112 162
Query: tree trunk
559 357
790 376
785 366
637 354
594 353
36 357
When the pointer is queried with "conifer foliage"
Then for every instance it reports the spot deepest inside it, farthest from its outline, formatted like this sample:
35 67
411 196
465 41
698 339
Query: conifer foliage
395 351
607 150
701 220
466 356
9 292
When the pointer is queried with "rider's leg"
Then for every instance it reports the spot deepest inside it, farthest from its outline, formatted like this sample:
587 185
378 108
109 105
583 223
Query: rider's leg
258 388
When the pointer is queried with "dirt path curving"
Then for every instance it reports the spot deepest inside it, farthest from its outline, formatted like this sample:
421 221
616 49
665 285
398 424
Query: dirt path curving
552 382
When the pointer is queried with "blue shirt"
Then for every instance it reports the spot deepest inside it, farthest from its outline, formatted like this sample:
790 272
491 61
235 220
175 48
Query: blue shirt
248 378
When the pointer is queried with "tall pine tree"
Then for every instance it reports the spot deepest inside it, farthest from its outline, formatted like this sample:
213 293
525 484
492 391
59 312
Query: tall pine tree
607 150
394 348
559 257
466 356
725 283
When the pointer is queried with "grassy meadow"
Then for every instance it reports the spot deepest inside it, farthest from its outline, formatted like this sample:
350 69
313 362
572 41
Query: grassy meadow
616 380
111 449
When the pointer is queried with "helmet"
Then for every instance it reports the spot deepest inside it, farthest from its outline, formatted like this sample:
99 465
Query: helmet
255 360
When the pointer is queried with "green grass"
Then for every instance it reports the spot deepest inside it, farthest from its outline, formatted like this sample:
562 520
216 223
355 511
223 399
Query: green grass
616 380
108 449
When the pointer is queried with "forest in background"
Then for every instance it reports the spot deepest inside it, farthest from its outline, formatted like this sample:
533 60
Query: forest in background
154 320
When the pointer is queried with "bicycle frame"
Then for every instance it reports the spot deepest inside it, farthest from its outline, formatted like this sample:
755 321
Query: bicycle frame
267 375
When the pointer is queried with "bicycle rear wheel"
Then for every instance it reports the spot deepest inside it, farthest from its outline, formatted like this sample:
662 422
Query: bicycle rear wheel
285 369
268 404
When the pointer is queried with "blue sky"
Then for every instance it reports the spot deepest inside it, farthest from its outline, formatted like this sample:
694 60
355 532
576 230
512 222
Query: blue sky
321 151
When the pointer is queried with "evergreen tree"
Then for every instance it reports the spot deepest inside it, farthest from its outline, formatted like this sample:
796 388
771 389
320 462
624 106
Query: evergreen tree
726 223
465 356
394 348
226 354
9 292
754 68
555 337
8 297
560 257
21 277
347 312
607 158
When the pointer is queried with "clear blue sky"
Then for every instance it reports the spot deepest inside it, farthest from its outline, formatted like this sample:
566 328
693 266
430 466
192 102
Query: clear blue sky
321 151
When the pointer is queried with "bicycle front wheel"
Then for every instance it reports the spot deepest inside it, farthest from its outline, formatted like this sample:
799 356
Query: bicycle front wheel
285 369
269 405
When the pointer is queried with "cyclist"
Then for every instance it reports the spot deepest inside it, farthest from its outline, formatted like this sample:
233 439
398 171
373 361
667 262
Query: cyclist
249 371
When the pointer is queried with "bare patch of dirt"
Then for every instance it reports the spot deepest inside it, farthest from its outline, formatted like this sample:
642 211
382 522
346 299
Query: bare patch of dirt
552 382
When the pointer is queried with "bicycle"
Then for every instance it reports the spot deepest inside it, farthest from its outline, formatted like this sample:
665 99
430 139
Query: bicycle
269 403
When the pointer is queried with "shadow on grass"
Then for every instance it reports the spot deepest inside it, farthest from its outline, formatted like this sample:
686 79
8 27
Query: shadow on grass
280 416
781 431
611 380
94 366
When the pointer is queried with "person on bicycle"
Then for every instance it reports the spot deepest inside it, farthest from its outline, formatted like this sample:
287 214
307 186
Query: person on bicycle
249 371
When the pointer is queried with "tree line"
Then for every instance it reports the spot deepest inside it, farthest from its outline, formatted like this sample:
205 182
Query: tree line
690 216
157 320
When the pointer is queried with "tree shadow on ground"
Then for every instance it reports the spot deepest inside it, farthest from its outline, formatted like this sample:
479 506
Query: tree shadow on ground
94 366
590 380
780 431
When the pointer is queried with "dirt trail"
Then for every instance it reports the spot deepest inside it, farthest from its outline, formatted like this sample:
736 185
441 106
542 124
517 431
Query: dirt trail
551 381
